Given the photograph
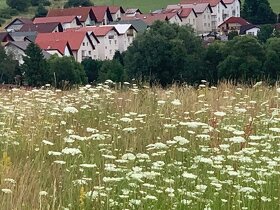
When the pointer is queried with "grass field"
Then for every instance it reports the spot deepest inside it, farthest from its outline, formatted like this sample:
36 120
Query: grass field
147 5
102 148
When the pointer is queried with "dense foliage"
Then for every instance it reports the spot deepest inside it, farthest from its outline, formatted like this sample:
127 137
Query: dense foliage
78 3
258 12
20 5
165 54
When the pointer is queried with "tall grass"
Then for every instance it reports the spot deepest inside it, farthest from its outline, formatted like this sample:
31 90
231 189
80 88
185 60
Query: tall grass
102 148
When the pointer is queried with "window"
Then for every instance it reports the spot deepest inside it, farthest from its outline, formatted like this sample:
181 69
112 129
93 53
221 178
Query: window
111 36
205 24
84 44
110 42
115 42
110 52
89 52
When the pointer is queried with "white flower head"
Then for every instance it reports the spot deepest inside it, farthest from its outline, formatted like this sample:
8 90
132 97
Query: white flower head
70 109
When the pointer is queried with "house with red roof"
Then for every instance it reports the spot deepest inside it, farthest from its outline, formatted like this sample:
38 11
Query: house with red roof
187 15
55 47
102 14
218 10
108 40
66 21
232 24
117 12
84 14
203 13
80 42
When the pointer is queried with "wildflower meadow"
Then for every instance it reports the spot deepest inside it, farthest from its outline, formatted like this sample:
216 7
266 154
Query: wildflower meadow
100 147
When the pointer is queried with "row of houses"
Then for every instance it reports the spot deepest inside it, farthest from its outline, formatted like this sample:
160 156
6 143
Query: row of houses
97 32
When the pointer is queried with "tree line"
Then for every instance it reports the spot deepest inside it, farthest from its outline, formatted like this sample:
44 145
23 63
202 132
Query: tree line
165 54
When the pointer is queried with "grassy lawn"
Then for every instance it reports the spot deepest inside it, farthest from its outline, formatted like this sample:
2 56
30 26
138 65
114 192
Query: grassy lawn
140 148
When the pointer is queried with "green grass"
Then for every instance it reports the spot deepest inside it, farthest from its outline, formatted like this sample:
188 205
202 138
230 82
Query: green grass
102 148
145 5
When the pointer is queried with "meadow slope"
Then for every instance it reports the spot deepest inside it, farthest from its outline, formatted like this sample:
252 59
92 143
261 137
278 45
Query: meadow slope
140 148
145 5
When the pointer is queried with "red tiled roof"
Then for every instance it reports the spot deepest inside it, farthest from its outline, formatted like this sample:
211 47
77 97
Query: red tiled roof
100 12
98 30
238 20
58 45
211 2
185 12
74 38
81 12
60 19
115 9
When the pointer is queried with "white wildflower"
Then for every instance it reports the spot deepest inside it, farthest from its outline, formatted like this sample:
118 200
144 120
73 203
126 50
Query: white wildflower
6 191
71 151
176 102
70 109
189 175
220 114
47 142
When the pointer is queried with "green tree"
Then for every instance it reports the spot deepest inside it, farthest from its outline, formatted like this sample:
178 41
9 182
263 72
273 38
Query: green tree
20 5
111 70
212 59
164 54
78 3
265 32
258 12
8 67
232 34
35 69
242 60
272 58
92 68
41 11
66 71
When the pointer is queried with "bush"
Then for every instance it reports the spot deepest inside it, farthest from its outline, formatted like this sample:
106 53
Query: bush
66 71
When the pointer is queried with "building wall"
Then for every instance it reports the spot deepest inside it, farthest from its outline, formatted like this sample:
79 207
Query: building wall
203 22
54 52
85 50
109 44
233 10
73 24
175 19
253 31
190 20
16 53
117 16
217 17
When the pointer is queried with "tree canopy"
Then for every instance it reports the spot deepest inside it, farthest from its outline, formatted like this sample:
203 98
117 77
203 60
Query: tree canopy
258 12
164 54
78 3
35 69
